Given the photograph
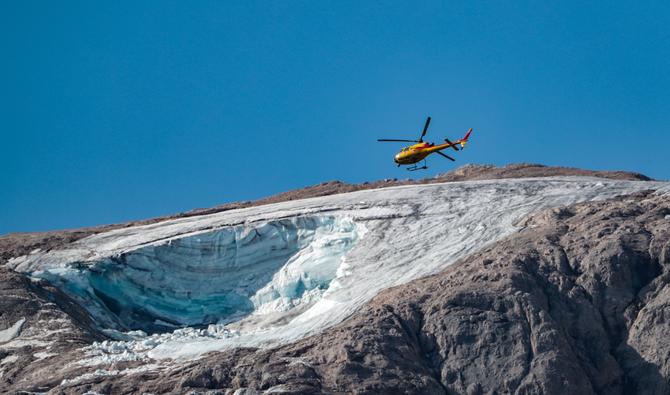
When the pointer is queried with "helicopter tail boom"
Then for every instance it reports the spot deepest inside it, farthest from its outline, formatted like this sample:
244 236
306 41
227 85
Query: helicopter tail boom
465 138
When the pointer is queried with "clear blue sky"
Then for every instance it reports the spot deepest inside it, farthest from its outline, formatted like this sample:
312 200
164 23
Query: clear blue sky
112 111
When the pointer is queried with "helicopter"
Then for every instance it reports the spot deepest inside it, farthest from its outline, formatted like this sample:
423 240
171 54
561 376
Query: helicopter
418 152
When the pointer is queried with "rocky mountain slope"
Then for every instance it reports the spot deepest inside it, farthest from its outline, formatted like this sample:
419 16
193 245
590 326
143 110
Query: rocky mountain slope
39 323
574 300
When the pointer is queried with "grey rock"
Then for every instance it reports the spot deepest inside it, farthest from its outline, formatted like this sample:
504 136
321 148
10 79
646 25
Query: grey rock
52 328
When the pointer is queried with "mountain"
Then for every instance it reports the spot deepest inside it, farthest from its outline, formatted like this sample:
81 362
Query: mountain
524 279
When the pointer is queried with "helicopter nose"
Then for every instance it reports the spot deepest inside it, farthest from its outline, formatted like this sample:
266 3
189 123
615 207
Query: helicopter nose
395 158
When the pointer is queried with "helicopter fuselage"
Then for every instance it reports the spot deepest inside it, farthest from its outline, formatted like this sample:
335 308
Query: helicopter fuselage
417 152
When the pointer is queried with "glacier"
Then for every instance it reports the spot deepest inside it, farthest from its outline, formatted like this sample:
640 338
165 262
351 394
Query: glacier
213 277
272 274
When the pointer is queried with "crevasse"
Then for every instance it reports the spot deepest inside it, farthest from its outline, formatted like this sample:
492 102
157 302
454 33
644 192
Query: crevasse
212 277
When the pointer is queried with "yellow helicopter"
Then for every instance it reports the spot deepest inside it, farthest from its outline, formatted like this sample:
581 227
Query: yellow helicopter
418 152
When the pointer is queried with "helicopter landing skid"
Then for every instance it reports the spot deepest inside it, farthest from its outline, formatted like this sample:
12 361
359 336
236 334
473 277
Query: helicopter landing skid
417 167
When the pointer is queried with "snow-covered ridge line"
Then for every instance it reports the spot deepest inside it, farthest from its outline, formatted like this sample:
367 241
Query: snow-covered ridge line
353 246
118 241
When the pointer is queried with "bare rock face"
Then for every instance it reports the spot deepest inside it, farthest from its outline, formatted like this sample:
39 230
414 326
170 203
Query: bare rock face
576 303
39 326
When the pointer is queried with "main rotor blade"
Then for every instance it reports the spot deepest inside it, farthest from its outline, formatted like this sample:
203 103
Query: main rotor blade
425 129
406 141
452 144
446 156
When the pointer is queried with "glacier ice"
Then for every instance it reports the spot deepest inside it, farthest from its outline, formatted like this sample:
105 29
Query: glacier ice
212 277
11 332
271 274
